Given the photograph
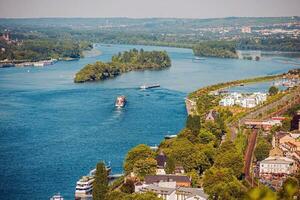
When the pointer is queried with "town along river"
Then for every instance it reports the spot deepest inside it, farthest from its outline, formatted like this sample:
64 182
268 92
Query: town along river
53 131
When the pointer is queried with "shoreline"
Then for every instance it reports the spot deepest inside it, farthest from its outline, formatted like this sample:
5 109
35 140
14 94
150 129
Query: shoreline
40 63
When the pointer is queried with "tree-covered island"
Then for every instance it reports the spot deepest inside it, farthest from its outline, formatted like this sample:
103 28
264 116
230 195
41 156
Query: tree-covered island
124 62
221 49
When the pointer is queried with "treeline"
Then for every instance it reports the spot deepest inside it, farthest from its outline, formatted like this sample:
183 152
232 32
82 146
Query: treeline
222 49
124 62
43 49
269 44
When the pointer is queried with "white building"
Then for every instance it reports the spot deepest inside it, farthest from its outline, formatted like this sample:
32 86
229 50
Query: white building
243 100
227 101
246 29
277 165
248 102
169 191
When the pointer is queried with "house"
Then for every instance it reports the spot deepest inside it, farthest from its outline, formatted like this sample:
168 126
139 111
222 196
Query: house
161 160
296 156
285 139
169 191
211 116
243 100
248 102
277 165
246 29
260 97
166 193
179 170
276 151
183 193
181 180
277 137
227 101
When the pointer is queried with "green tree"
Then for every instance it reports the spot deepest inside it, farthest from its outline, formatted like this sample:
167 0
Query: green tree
206 136
170 165
261 193
193 123
220 183
262 149
286 124
196 179
273 90
115 195
198 161
290 189
140 152
100 185
145 167
128 186
229 157
180 150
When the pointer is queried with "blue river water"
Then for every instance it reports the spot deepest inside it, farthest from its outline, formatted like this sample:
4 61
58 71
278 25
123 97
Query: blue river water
53 131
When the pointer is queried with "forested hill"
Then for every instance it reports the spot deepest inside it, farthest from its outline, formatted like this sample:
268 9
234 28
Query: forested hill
124 62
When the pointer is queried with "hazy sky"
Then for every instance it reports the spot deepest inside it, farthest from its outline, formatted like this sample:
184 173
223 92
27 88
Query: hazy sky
148 8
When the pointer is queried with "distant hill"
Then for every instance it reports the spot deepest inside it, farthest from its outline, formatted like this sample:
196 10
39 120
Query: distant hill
146 24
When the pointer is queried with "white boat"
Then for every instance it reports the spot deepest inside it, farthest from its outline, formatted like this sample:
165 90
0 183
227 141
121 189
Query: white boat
144 87
170 136
57 197
121 101
154 148
84 187
199 58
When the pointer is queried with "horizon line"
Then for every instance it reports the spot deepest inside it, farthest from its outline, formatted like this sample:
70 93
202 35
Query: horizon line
116 17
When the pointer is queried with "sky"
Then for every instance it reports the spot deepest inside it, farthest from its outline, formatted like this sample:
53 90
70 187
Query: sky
148 8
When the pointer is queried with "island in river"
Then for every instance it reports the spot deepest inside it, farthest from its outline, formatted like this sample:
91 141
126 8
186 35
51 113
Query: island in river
123 62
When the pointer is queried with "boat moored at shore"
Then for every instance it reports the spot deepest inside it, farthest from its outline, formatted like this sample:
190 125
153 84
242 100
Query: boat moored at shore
84 187
170 136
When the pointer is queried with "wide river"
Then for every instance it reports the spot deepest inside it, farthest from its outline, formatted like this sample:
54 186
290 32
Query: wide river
53 131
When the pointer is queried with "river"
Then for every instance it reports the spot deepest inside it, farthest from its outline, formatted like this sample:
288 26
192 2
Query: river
53 131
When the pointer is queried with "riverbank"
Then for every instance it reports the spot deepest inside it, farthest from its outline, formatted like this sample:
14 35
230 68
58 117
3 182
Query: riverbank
40 63
200 148
43 146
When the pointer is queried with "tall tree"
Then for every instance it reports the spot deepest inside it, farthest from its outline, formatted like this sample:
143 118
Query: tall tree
193 123
170 165
100 185
262 149
273 90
